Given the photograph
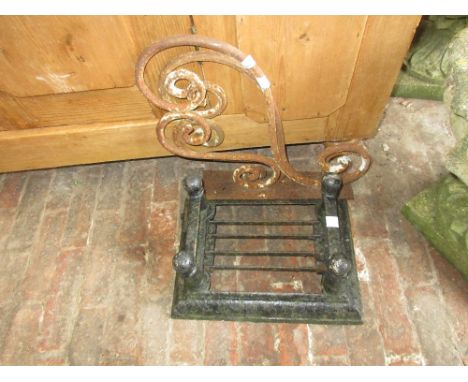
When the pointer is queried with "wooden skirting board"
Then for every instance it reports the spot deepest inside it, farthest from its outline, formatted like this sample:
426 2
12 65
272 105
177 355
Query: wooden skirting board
117 124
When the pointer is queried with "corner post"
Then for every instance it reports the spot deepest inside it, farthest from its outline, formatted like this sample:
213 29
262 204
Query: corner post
338 266
188 262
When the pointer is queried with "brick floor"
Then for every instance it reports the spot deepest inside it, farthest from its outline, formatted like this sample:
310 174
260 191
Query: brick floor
86 274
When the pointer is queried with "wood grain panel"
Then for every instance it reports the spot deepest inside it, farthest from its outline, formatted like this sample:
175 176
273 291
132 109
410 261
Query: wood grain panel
108 106
61 54
224 29
384 46
309 60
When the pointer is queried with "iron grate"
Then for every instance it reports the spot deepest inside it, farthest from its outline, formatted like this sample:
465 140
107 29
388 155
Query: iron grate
258 260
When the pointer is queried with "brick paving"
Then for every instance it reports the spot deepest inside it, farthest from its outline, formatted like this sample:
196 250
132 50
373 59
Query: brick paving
86 275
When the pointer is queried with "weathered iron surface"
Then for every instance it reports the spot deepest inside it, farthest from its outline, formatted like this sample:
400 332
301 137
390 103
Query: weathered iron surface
187 125
189 113
216 188
339 301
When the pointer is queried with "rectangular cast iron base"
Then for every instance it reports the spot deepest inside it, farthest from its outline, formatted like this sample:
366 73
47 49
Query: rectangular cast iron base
339 302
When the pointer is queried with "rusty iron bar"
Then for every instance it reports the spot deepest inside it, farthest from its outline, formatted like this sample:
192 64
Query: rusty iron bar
192 128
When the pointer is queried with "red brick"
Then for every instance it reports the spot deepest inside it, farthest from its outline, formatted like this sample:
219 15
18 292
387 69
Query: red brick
293 344
131 263
14 265
369 207
331 361
361 263
221 343
51 360
20 347
163 221
156 325
304 151
134 257
6 224
136 199
10 192
109 358
122 343
367 220
112 187
257 344
82 207
389 302
161 249
368 310
329 341
62 187
86 341
365 343
433 326
166 181
454 290
8 310
98 271
30 211
407 360
187 341
105 230
62 302
184 167
414 262
159 271
43 260
368 304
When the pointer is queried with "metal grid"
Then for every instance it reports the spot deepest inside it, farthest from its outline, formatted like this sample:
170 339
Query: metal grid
201 258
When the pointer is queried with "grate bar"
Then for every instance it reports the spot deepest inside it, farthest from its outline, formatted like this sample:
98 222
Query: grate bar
272 254
291 222
251 203
294 237
317 269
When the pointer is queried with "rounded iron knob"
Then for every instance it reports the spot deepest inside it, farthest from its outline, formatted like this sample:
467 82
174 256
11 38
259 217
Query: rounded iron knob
194 185
340 266
184 263
332 185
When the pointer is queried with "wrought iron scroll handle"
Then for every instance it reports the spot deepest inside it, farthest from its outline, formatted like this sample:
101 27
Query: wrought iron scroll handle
191 116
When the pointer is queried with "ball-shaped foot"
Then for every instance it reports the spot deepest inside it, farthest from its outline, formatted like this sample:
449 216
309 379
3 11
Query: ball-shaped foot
331 185
184 263
340 267
194 185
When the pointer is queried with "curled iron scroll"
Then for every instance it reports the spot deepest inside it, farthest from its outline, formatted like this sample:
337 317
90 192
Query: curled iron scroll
192 115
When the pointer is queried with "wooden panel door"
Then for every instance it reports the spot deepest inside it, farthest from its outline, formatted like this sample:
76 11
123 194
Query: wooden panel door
67 93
